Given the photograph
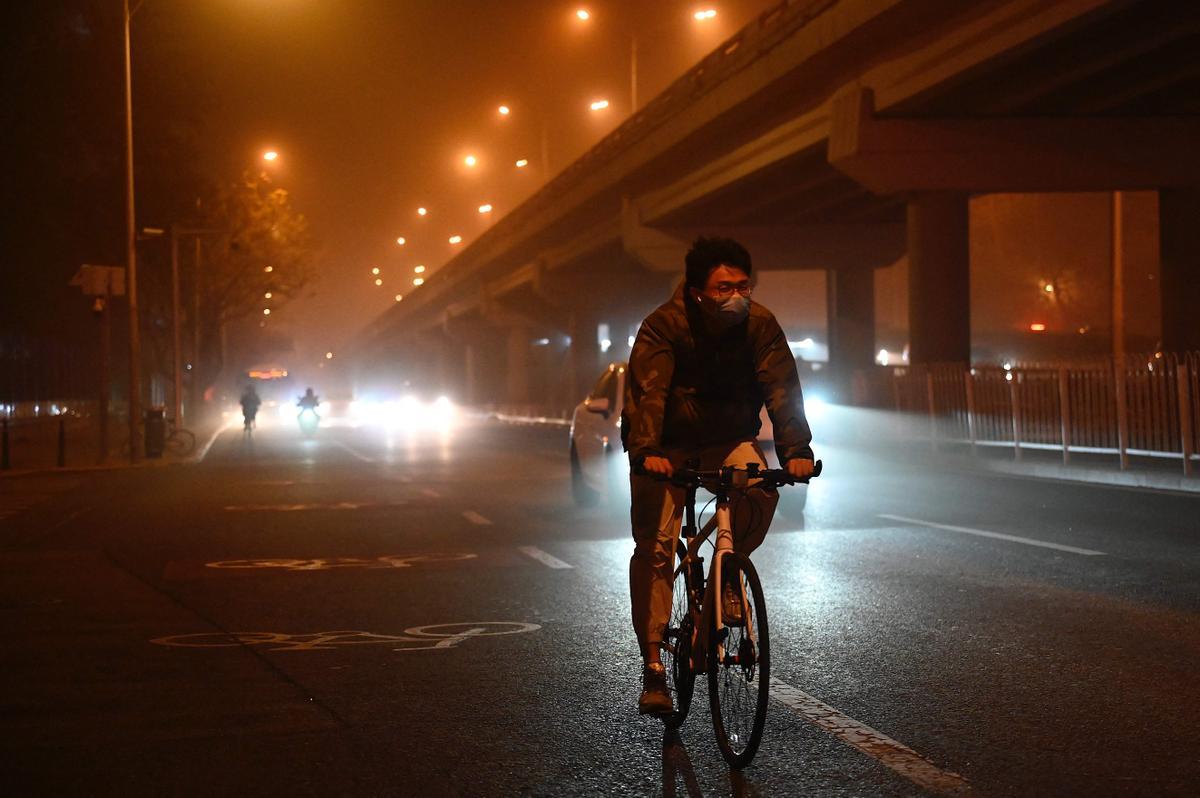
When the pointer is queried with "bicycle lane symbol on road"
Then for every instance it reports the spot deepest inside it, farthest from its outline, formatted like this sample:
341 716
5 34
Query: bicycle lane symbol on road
429 637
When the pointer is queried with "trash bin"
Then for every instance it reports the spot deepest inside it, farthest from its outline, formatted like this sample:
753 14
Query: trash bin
156 431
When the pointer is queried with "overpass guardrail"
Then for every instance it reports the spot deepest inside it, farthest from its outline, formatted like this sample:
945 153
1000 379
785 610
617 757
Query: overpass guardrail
1145 406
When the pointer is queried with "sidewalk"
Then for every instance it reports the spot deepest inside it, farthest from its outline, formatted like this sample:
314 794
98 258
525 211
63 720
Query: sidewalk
34 448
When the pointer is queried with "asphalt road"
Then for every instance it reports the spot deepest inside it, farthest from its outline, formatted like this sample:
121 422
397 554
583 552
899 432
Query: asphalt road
428 614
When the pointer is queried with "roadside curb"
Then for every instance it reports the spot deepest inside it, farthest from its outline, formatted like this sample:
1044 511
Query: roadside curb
541 421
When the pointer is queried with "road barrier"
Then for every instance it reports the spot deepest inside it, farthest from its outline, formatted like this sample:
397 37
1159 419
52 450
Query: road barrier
1147 406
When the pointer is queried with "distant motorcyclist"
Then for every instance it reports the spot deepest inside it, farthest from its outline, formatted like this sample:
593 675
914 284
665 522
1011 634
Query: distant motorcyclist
310 401
250 402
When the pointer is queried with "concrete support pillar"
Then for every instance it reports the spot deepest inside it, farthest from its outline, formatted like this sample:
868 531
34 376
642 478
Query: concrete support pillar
472 390
939 296
851 313
585 353
1179 240
518 364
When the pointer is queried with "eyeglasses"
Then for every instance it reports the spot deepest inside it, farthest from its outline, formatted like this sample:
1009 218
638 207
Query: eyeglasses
726 290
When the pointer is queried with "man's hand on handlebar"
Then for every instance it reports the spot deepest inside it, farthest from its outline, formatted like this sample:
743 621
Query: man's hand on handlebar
799 468
659 465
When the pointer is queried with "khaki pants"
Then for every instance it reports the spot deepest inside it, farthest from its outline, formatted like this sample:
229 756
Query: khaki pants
656 512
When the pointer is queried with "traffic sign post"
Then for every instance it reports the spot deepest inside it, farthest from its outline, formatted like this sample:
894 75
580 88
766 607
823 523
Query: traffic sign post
103 283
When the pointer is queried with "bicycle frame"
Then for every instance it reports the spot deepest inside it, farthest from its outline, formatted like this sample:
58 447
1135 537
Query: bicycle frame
722 522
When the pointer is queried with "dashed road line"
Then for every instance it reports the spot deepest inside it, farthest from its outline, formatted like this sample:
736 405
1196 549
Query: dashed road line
355 452
549 560
475 518
295 508
983 533
895 755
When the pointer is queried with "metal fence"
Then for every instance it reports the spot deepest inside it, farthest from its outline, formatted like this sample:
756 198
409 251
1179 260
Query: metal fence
1148 406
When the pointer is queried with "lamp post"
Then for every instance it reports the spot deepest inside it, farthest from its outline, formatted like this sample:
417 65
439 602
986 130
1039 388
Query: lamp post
135 343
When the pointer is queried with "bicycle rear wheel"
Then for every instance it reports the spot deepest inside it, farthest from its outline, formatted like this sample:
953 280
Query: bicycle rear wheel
677 647
181 442
739 667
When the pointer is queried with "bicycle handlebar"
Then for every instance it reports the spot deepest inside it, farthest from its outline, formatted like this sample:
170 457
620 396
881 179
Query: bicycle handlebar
734 477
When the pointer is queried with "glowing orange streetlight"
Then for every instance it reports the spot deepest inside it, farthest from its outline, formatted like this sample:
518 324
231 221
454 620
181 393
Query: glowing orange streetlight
329 355
399 297
422 211
521 164
270 155
401 240
419 281
419 270
266 311
583 14
375 270
455 239
485 208
708 13
470 161
504 110
599 105
378 281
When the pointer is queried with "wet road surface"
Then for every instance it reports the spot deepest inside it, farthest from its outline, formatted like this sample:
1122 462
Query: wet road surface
402 613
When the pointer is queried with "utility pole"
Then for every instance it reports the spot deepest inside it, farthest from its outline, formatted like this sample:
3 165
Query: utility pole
177 350
135 343
194 406
633 98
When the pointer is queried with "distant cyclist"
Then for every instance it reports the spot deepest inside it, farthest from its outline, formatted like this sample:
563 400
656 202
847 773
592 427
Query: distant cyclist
701 369
250 403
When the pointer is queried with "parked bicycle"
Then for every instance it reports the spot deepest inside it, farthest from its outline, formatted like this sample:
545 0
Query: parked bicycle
734 652
181 441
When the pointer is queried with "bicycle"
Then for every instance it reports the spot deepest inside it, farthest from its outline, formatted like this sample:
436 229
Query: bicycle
180 441
734 654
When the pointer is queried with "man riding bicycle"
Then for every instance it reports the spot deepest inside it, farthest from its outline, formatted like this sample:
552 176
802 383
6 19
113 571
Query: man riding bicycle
702 367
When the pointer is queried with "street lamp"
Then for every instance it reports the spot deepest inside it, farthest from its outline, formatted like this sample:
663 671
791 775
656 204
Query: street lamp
485 208
401 241
422 211
470 161
701 16
270 155
599 105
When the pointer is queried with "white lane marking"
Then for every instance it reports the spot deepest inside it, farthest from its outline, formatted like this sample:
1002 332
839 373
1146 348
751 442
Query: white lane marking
476 518
897 756
355 452
983 533
203 452
293 508
548 560
431 493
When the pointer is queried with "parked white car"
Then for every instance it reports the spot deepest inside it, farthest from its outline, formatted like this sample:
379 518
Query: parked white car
599 465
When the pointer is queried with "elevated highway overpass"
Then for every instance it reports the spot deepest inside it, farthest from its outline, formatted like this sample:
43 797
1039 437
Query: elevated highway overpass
834 135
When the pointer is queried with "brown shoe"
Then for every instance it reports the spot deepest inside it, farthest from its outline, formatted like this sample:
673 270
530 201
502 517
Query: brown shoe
655 698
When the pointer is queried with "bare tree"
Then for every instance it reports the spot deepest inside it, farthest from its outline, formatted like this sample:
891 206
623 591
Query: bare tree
266 248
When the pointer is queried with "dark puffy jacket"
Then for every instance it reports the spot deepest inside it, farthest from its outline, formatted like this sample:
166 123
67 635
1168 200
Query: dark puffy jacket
688 386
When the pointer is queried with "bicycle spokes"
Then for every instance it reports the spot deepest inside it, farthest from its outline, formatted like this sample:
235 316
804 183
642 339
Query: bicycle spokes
738 675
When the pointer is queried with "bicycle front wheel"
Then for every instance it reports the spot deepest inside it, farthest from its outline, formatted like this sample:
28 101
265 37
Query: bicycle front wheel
739 665
677 646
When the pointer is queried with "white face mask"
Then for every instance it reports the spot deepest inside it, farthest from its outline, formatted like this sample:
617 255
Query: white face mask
726 313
